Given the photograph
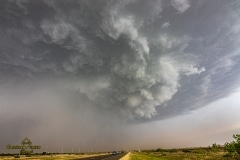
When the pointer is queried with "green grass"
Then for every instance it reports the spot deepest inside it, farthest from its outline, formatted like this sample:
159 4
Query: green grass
179 155
142 156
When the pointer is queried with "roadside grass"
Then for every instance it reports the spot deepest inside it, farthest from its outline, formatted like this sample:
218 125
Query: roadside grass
49 157
142 156
180 155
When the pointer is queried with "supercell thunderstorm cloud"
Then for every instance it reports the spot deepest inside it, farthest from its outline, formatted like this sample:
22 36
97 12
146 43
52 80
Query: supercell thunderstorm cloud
64 63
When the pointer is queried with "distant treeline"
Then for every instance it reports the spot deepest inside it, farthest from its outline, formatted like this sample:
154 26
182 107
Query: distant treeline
195 149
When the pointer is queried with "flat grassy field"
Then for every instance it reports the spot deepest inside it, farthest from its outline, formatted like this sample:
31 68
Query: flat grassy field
49 157
179 155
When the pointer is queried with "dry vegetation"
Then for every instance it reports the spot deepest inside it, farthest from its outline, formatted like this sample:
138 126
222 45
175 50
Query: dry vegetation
159 154
49 157
180 154
230 151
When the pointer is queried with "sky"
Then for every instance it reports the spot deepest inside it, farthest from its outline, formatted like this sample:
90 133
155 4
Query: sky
110 75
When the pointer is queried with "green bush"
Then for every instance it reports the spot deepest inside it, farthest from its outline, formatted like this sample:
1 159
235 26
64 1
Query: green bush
228 155
172 150
164 154
186 150
233 148
199 151
161 150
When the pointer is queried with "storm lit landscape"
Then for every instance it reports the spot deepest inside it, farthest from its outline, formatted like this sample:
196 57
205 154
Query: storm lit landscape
122 79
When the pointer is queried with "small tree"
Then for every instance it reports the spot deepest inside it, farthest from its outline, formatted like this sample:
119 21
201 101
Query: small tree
214 147
237 143
233 148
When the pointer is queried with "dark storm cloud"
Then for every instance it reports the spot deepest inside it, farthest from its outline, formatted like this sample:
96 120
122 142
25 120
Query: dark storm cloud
136 59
